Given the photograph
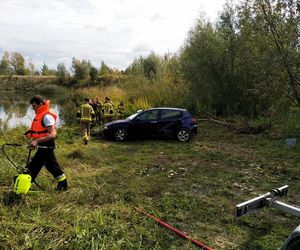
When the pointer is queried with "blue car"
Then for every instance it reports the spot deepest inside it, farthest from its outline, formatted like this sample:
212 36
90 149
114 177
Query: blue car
155 122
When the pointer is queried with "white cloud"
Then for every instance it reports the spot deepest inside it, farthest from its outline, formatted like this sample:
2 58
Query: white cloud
114 31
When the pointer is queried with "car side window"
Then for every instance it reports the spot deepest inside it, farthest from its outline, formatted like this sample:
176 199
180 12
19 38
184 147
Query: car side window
149 115
167 114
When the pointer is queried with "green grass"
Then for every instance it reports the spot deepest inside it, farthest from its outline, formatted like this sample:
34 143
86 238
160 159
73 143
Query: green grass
193 186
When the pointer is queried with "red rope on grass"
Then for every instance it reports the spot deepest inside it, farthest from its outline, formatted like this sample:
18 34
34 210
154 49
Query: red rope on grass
181 234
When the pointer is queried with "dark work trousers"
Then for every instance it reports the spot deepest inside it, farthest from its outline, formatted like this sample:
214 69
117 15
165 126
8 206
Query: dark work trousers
45 157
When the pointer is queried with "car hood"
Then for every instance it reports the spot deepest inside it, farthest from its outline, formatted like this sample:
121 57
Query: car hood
116 122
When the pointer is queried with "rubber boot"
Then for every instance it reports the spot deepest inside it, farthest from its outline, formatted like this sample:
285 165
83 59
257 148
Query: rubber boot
85 139
62 185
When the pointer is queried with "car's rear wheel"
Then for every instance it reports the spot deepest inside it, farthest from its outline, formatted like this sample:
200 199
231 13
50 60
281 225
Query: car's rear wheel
183 135
121 134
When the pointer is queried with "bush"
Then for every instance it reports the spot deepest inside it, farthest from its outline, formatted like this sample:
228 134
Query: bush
292 125
68 113
259 125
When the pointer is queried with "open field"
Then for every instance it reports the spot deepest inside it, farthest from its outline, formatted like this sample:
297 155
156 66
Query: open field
193 186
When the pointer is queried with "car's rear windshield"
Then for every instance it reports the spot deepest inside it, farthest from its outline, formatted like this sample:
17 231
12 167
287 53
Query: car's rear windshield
170 114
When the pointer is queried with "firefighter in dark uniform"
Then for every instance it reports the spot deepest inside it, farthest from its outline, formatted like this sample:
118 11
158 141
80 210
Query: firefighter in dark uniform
86 113
108 110
121 110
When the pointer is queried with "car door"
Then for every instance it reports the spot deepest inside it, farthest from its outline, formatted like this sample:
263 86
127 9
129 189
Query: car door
145 124
169 121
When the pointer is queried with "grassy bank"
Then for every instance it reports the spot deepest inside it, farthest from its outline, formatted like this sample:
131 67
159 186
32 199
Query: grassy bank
193 186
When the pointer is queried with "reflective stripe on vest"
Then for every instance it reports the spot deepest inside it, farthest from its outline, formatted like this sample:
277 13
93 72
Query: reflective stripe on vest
121 109
86 111
107 109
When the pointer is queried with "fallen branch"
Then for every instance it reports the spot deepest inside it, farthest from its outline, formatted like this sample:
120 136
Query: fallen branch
226 124
238 128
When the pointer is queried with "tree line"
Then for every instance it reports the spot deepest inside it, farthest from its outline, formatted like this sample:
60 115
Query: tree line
247 64
82 70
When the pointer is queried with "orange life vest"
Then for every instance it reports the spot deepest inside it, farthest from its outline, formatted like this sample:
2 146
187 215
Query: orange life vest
37 129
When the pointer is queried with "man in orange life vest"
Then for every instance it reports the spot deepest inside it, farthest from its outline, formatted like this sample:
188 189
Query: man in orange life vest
43 133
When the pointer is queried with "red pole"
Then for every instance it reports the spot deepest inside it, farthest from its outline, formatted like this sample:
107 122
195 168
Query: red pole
181 234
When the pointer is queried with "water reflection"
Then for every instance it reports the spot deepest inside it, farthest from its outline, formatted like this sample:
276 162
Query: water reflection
13 119
15 110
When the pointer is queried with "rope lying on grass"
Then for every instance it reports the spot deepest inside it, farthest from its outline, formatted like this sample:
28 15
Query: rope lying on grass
181 234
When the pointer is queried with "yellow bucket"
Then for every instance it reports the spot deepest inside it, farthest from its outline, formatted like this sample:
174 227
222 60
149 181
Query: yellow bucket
22 184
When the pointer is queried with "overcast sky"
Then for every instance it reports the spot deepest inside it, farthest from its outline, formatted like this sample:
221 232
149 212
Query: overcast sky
115 31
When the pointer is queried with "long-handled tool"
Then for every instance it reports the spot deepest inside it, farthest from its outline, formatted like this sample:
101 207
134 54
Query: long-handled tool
22 182
181 234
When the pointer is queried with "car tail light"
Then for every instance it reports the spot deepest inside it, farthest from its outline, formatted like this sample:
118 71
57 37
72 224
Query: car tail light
194 121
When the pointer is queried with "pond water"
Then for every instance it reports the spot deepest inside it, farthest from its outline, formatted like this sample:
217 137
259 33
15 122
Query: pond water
15 109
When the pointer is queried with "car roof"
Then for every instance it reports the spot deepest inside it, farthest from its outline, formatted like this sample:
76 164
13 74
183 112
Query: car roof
167 108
